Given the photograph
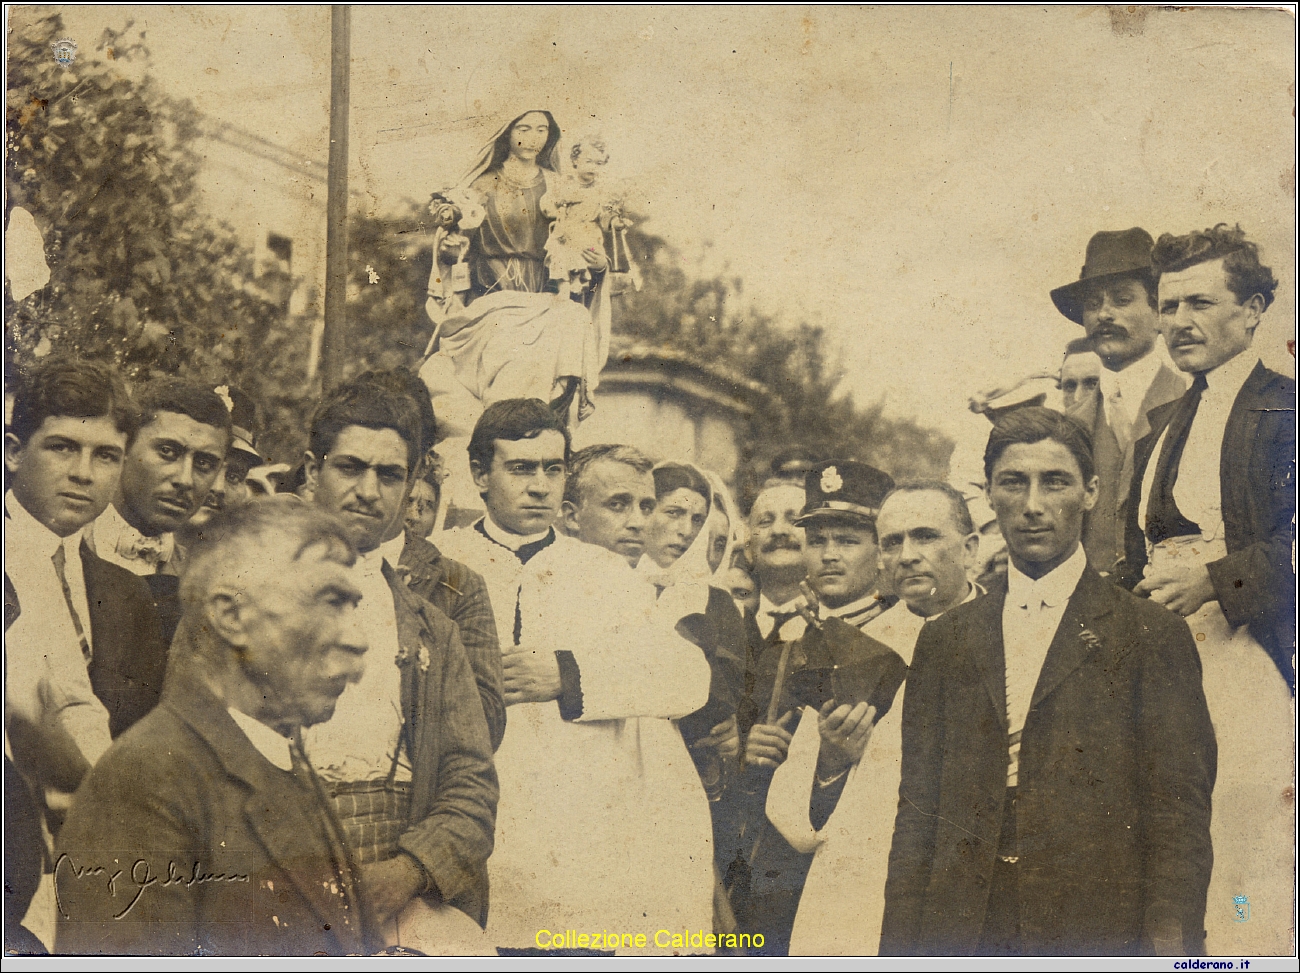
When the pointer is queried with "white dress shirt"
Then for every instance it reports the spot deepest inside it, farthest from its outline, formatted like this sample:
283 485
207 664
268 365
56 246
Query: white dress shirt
1030 617
1197 491
899 627
792 629
360 741
45 669
117 542
1122 394
265 740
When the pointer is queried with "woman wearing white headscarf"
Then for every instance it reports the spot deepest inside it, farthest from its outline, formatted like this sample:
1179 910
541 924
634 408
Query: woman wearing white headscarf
499 332
689 538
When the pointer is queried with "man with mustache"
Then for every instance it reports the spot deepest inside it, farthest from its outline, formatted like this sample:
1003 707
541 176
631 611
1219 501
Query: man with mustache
228 491
1210 530
775 550
447 584
1057 754
845 813
171 463
840 561
407 759
204 830
1115 301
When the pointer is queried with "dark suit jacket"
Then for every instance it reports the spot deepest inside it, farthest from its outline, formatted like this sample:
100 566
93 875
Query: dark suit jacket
130 656
719 631
453 781
462 595
1255 583
1117 763
184 793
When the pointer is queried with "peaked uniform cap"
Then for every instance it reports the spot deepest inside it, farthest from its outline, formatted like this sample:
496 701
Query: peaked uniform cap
842 487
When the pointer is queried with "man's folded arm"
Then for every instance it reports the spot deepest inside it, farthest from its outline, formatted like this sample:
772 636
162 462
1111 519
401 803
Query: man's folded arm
640 670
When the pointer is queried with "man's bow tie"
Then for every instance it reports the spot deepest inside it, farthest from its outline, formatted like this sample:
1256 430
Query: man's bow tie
151 550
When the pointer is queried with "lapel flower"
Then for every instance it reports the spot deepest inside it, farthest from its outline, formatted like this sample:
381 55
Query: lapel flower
421 656
1089 638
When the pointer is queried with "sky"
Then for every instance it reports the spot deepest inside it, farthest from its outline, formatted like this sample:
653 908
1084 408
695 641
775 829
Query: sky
915 180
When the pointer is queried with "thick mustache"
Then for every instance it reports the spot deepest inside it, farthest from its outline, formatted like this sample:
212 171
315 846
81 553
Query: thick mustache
781 543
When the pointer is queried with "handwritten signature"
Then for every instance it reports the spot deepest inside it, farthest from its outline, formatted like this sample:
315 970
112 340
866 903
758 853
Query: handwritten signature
139 878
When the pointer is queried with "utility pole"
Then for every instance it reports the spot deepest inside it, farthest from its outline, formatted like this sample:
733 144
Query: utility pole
335 339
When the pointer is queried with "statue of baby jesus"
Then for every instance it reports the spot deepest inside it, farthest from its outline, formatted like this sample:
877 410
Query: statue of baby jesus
585 210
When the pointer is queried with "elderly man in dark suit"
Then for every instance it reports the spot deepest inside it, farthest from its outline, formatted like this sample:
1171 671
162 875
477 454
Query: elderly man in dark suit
204 830
1211 531
1058 757
1114 300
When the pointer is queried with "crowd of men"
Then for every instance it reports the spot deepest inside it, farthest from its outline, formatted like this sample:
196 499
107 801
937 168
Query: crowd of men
612 709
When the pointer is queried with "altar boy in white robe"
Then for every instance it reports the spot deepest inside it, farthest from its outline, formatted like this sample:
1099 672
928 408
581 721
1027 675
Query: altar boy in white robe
927 544
603 822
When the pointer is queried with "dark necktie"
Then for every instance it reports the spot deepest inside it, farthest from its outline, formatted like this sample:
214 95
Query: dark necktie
778 619
1163 516
60 563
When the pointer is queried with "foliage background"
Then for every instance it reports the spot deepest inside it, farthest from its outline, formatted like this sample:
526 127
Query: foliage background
142 276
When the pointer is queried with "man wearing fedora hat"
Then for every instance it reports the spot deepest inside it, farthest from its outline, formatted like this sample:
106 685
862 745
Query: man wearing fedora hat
1115 301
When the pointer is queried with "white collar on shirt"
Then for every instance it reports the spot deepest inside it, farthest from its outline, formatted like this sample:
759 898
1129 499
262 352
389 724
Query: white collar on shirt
852 608
111 529
372 562
973 591
30 534
391 551
791 630
1224 383
1052 589
267 742
1132 383
766 606
509 540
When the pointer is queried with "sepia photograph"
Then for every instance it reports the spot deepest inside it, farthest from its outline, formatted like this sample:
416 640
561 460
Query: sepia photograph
673 481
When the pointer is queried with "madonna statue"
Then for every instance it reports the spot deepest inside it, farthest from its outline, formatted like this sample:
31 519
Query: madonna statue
500 329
